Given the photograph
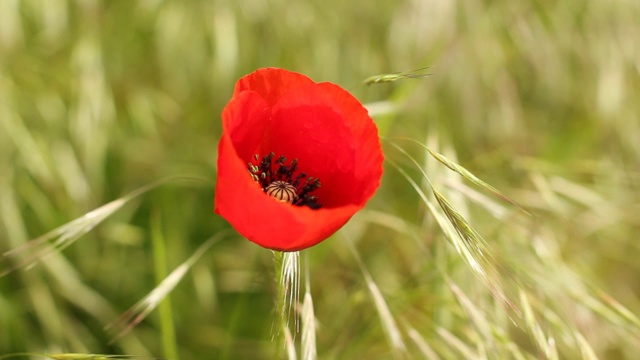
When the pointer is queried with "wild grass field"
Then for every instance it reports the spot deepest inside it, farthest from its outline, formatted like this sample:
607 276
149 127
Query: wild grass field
539 99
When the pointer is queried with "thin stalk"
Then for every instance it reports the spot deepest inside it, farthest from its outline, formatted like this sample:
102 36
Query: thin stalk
167 328
277 331
287 274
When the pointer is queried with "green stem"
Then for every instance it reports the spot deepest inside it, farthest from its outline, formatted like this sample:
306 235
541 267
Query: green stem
279 321
167 328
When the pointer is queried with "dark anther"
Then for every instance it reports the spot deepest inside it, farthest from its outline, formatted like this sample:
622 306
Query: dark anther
263 172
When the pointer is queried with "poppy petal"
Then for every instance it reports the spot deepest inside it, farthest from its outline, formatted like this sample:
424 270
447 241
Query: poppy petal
324 127
271 83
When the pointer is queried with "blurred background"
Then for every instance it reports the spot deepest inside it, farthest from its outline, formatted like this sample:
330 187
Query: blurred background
540 99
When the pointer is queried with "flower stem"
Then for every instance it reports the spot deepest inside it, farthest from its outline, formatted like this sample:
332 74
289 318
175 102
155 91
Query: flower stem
287 275
279 322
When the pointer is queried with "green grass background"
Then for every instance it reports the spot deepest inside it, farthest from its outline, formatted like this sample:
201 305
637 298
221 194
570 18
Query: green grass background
541 99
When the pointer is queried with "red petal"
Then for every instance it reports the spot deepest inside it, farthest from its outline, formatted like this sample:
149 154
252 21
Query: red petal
323 126
333 138
271 83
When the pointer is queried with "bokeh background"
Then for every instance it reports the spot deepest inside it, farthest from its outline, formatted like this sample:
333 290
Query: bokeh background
541 99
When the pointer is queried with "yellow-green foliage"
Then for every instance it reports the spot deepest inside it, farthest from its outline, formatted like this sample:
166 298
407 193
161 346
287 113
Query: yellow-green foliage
537 99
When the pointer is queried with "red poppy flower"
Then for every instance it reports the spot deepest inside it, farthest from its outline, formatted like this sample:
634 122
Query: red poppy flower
296 159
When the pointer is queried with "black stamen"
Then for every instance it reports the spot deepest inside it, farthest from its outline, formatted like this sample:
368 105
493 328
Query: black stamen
262 171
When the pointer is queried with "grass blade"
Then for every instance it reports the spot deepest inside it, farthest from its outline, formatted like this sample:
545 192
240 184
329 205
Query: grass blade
289 343
385 78
308 341
167 326
422 345
79 356
386 318
138 312
473 249
457 344
535 329
56 240
467 174
468 242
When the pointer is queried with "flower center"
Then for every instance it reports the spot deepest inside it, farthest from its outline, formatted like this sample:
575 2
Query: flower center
282 191
281 182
